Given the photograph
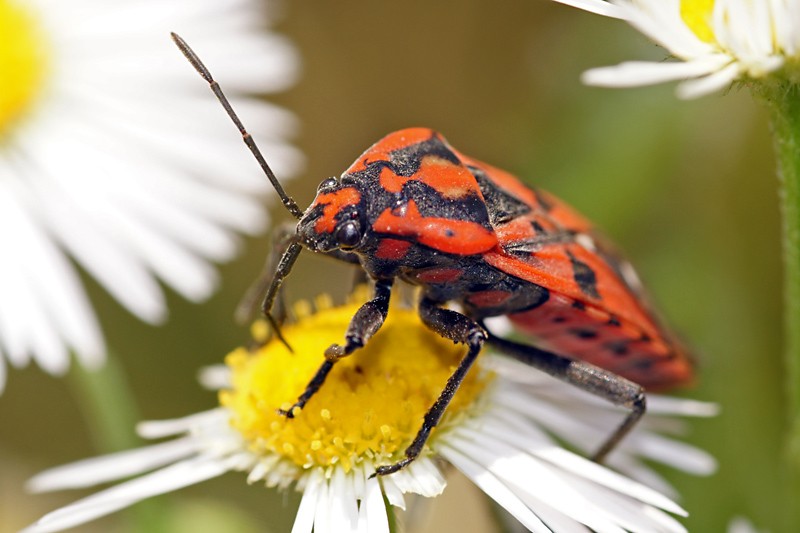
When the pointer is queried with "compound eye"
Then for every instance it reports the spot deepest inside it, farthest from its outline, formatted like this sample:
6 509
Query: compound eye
348 235
327 184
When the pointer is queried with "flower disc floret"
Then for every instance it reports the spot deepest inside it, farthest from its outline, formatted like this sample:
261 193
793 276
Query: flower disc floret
372 403
23 62
697 15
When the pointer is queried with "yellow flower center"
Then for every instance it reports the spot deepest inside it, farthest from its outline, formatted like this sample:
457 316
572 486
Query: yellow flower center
697 15
372 403
23 62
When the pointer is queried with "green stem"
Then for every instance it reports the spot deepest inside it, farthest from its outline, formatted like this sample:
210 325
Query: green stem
108 406
109 410
391 515
783 100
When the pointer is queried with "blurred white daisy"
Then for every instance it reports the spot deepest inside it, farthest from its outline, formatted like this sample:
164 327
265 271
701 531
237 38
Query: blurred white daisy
497 432
740 524
114 157
714 42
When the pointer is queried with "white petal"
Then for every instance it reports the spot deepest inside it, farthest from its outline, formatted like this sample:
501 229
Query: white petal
360 476
257 473
740 524
674 453
708 84
120 496
638 471
215 377
592 471
667 405
343 513
494 488
77 517
373 509
304 521
517 469
111 467
500 326
44 304
322 522
638 73
393 493
599 7
156 429
103 255
429 481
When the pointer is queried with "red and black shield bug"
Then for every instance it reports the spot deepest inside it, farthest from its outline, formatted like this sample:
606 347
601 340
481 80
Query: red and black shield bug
412 207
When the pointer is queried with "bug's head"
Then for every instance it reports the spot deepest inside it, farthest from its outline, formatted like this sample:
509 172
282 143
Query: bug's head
335 220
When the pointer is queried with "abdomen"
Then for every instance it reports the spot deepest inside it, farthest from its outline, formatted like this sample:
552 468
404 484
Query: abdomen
574 329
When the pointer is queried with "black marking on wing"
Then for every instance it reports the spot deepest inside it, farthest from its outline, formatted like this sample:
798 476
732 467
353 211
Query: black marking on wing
643 364
584 276
502 207
618 347
407 160
404 161
583 333
538 242
431 203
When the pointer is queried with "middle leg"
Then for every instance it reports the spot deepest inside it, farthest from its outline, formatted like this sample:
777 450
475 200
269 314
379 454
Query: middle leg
459 328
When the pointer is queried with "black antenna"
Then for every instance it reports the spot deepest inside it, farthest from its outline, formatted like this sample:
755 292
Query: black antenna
290 204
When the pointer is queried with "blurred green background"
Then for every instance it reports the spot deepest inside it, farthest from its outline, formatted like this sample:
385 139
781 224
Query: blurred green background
688 189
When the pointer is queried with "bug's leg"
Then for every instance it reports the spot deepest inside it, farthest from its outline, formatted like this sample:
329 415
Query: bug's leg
283 236
285 264
365 323
590 378
459 328
276 267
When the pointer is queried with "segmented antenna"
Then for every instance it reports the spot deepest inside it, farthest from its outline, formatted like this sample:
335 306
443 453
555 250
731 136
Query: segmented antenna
198 65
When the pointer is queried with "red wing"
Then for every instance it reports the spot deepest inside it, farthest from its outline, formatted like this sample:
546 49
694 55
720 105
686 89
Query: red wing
575 272
546 242
597 310
593 314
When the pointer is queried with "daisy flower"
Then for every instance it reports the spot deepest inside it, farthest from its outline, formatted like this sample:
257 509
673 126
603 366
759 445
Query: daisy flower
714 42
500 431
112 157
741 524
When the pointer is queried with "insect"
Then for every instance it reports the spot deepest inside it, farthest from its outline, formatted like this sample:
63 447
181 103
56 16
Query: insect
414 208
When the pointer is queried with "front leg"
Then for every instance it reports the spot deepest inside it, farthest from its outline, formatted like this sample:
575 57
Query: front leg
282 238
285 264
458 328
365 323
